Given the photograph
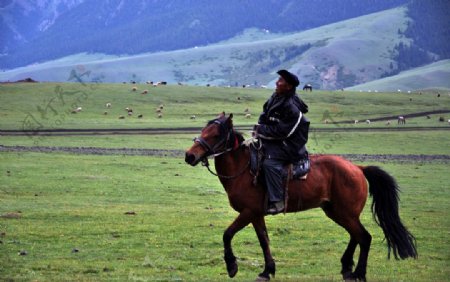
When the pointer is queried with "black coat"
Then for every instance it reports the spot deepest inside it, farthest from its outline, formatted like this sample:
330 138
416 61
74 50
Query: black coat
283 127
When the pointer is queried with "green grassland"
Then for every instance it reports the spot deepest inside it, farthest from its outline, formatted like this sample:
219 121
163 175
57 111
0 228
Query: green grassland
72 223
68 211
49 105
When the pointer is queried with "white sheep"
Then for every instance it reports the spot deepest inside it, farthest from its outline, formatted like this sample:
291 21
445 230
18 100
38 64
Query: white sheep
108 105
368 121
248 115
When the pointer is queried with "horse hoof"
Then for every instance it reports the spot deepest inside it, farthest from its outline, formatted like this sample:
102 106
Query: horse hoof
232 269
349 276
262 278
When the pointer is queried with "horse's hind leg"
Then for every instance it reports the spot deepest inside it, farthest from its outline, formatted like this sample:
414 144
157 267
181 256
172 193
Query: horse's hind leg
347 258
358 235
363 238
261 231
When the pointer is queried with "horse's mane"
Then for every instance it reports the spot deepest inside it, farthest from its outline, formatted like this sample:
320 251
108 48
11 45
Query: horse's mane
239 136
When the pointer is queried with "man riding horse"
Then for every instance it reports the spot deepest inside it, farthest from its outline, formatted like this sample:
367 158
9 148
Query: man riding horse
283 130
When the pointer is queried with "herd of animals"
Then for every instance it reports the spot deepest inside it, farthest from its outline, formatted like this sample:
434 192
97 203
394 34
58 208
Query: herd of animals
401 120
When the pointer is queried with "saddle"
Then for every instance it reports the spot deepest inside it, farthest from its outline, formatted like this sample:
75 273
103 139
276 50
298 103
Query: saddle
298 170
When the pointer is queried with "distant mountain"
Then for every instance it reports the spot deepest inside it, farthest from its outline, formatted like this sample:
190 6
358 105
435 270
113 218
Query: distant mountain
207 42
334 56
38 31
23 21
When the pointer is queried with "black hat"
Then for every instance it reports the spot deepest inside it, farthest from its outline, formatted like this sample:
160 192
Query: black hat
290 78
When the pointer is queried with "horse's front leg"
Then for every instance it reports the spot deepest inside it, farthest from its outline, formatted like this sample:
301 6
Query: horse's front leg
261 231
240 222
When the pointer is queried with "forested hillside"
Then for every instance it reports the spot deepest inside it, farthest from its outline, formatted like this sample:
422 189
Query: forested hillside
136 26
429 32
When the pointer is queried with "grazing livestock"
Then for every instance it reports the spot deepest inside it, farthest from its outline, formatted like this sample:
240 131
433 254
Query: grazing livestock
368 121
388 122
356 121
105 113
160 115
428 117
248 115
307 87
134 89
158 110
193 117
449 121
401 120
441 119
108 105
140 116
121 117
247 110
144 92
76 110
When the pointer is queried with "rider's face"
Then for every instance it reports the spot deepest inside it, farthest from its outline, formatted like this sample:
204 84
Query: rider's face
282 86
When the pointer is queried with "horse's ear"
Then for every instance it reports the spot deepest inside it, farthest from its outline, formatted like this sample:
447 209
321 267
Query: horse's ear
230 121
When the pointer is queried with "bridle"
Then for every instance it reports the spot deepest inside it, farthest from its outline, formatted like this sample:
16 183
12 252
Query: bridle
216 149
221 147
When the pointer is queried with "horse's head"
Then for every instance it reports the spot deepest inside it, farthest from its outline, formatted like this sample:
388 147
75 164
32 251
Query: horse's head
217 137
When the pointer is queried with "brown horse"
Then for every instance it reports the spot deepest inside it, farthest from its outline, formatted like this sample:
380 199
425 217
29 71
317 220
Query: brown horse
333 184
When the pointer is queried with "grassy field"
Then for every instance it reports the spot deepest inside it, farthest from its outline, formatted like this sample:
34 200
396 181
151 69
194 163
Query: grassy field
68 213
115 218
49 106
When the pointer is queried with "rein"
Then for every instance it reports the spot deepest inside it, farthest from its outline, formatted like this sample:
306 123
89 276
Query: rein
205 163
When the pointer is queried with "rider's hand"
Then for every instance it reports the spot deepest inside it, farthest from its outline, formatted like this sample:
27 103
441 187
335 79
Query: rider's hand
255 130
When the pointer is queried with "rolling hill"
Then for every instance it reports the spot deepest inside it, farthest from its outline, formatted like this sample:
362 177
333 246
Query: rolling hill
435 75
351 52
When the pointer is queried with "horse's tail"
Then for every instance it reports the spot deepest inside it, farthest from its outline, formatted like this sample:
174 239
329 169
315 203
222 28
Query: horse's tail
384 191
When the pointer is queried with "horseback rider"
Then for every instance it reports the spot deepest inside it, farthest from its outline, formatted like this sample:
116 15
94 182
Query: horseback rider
283 130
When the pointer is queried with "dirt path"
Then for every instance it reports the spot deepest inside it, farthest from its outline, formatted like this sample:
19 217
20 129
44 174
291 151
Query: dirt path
180 153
